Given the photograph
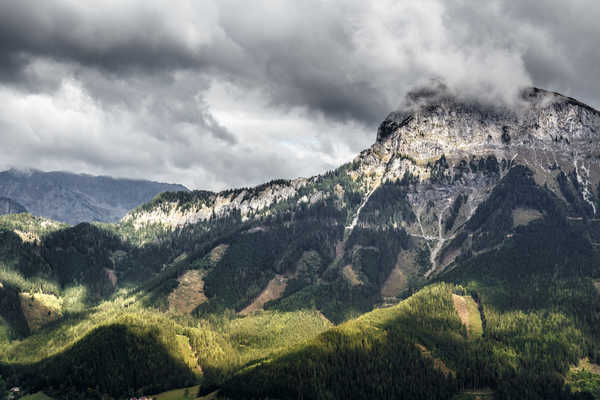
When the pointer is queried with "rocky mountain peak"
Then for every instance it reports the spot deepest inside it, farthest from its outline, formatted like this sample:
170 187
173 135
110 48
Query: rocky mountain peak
454 150
438 124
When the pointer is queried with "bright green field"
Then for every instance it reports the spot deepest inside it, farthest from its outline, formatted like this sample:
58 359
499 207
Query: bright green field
189 393
37 396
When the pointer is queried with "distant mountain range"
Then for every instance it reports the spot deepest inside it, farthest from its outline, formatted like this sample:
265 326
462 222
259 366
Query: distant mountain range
74 198
9 206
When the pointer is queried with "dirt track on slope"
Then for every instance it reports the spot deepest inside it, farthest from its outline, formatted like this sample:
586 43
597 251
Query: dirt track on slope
189 294
273 291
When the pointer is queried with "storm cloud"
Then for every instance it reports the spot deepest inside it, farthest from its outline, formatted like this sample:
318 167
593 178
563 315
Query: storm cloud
215 94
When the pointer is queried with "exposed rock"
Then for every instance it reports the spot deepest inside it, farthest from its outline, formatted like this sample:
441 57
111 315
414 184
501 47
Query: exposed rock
273 291
453 148
171 214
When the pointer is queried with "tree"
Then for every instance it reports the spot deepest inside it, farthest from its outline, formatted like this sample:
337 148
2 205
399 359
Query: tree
2 389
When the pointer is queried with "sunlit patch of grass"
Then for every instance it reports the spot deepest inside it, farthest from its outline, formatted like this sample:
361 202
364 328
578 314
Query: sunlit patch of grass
189 393
40 309
585 377
74 299
468 312
37 396
11 277
275 329
25 222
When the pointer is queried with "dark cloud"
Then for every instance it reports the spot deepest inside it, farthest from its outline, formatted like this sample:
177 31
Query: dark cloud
126 37
215 94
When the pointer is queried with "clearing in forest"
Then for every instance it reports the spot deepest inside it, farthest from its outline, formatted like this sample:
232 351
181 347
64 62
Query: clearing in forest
351 275
437 363
523 216
40 309
397 281
273 291
189 294
394 284
217 253
468 312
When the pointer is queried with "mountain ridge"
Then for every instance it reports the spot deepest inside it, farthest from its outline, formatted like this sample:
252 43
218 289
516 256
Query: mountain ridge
9 206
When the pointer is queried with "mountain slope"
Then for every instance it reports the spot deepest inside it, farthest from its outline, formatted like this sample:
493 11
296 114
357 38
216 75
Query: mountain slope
9 206
75 198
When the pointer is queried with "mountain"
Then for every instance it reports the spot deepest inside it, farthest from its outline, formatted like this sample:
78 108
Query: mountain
73 198
9 206
445 179
456 258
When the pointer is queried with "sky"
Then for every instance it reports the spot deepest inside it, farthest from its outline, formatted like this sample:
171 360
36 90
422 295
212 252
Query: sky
220 94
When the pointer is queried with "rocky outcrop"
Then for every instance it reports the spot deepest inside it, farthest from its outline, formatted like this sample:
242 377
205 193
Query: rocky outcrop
172 213
545 130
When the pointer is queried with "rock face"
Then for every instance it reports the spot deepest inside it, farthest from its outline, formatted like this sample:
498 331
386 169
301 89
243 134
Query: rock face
545 130
451 148
202 206
75 198
9 206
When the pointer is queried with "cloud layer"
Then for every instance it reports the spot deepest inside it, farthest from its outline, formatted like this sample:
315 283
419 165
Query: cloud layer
215 94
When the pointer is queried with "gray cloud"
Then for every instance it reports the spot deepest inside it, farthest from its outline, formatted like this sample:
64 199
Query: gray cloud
215 94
